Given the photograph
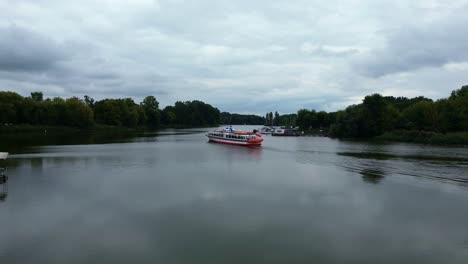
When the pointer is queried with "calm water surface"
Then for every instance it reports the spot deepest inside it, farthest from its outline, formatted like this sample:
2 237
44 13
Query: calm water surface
171 197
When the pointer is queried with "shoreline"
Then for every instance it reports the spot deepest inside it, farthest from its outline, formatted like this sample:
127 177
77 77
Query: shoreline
455 139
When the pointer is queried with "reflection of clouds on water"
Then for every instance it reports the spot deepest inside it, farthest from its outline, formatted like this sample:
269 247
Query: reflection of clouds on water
187 201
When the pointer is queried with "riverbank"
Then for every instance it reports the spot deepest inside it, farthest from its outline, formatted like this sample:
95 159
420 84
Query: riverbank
37 129
426 137
408 136
21 129
14 138
315 132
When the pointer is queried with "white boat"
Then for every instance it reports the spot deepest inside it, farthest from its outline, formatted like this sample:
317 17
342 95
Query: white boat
286 132
266 130
233 137
3 155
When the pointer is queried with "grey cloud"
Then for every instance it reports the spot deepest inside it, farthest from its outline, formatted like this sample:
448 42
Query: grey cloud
103 76
413 47
241 56
25 50
326 50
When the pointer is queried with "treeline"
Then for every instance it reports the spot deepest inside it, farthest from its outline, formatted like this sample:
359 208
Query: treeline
378 114
15 109
268 120
375 116
190 114
288 120
239 119
84 113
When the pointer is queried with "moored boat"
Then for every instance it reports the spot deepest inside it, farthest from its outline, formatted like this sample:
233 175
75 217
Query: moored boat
282 131
233 137
266 130
3 155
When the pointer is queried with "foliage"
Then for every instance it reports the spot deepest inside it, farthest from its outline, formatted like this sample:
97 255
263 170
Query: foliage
151 110
74 112
119 112
310 119
239 119
191 114
377 115
279 120
269 119
15 109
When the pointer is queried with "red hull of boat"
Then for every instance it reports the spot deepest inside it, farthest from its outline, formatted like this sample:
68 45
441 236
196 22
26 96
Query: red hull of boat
235 143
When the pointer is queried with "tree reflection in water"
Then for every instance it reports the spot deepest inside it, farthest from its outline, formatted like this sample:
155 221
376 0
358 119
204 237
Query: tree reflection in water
372 175
3 188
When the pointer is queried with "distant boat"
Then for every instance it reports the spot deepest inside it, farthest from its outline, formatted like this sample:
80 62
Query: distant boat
233 137
266 130
3 155
286 132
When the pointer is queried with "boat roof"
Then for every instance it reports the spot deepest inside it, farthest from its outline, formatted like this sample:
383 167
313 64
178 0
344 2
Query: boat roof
235 132
3 155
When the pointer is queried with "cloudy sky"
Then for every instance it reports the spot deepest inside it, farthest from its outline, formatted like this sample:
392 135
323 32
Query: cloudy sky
241 56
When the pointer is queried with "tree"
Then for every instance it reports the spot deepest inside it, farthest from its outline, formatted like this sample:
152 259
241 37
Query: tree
89 101
151 108
422 115
276 119
270 119
376 116
78 114
37 96
10 107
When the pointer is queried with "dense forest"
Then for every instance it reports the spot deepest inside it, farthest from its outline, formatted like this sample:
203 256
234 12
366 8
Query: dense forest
85 113
378 115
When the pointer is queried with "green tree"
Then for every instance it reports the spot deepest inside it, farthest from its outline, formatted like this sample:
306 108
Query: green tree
151 108
78 114
37 96
10 106
276 119
89 101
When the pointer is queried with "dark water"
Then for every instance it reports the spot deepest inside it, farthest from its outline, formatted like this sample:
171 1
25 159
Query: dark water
171 197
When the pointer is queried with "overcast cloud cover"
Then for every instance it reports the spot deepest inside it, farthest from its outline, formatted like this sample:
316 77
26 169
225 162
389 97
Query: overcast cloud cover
240 56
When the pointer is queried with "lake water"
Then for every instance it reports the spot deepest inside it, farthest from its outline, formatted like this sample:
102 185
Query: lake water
172 197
